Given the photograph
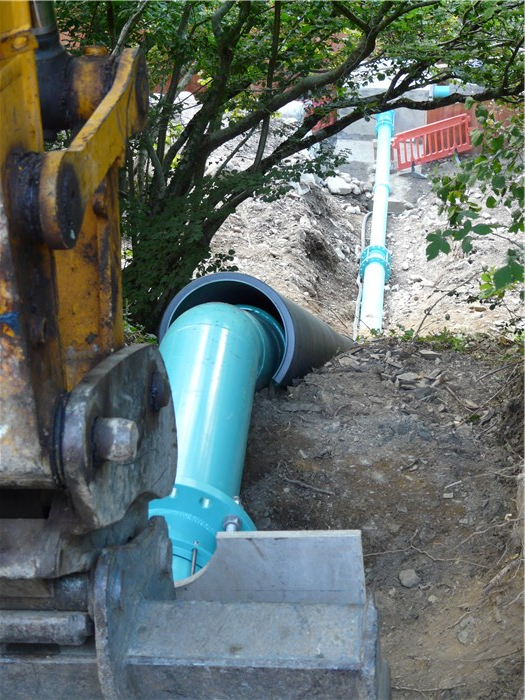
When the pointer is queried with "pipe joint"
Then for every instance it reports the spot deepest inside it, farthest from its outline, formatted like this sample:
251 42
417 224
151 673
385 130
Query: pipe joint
386 119
376 254
384 185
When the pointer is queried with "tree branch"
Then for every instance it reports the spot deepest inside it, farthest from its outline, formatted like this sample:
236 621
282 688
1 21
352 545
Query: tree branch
126 29
347 12
265 128
402 8
157 165
234 152
173 88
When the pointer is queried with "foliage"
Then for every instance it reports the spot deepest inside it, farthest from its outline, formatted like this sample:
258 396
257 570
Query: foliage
245 61
219 262
134 333
498 173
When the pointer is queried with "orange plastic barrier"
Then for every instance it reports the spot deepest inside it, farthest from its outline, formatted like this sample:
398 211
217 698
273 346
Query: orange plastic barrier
432 142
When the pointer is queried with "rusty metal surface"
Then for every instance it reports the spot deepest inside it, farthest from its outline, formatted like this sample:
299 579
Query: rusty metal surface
61 544
31 375
118 387
30 371
124 579
44 627
64 593
69 177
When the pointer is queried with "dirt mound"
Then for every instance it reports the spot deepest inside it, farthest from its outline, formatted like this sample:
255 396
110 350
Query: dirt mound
416 445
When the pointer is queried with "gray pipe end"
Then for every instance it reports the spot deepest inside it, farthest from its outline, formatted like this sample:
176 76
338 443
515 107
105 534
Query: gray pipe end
309 342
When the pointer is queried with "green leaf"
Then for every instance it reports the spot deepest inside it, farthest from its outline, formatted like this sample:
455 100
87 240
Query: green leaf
432 250
437 245
482 229
498 182
477 138
466 245
508 274
491 202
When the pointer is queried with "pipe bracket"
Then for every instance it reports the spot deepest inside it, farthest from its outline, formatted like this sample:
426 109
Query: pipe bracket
376 254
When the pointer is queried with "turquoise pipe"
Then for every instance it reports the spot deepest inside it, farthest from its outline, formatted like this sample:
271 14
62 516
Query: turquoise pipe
216 355
440 91
375 259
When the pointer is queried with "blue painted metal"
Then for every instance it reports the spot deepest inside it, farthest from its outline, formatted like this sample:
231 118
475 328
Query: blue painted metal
216 355
376 253
375 267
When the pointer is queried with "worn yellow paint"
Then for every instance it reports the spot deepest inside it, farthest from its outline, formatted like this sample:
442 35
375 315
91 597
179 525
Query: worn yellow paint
88 84
99 144
16 42
74 294
30 380
89 286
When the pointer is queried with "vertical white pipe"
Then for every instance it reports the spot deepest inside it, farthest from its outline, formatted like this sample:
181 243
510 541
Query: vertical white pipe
375 259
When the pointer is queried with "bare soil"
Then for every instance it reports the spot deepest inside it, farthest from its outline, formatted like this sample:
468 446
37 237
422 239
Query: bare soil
418 444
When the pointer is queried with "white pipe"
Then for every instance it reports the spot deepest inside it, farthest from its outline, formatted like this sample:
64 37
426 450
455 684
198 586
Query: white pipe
375 259
357 313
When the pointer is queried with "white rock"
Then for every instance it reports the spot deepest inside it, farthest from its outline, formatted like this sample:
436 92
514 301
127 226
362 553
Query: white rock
308 179
336 185
300 189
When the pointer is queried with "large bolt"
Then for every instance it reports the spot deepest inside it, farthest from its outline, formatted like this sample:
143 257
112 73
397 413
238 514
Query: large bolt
159 391
231 523
116 439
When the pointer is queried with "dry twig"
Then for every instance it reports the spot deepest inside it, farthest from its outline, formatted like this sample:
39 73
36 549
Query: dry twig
304 485
428 690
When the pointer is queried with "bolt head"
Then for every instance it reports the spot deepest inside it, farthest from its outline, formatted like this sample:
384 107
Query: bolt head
159 391
116 439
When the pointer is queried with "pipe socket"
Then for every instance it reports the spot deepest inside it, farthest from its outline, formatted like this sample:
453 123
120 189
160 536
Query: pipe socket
309 342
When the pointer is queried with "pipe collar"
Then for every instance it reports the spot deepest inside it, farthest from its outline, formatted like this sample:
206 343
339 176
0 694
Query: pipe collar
386 119
376 254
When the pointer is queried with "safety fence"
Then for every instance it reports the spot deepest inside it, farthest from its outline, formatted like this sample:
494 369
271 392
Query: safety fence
432 142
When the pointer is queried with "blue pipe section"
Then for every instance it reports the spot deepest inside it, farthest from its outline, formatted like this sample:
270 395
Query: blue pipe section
375 259
216 355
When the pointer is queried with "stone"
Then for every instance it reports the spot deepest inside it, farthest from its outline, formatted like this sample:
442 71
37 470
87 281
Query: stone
423 392
308 179
465 636
337 185
409 578
350 362
408 377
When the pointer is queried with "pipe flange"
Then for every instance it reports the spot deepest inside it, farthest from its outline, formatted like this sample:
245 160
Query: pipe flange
378 254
